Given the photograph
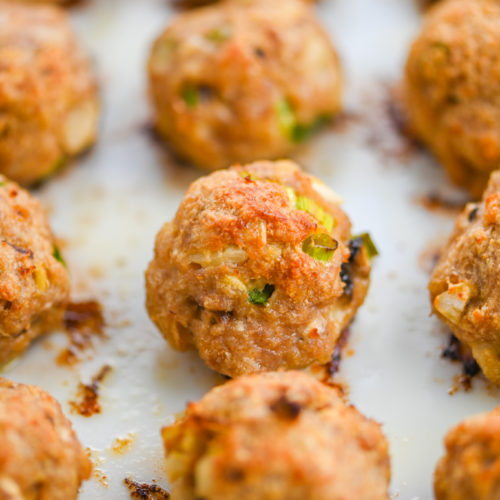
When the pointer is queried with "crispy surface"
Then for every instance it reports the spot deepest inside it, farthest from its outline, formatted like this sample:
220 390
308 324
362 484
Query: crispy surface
48 95
276 436
452 89
468 274
40 455
237 82
34 286
232 234
471 467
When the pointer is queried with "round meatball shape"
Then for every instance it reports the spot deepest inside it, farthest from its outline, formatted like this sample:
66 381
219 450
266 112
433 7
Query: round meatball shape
452 89
48 95
257 270
238 82
464 285
40 455
470 468
34 282
276 436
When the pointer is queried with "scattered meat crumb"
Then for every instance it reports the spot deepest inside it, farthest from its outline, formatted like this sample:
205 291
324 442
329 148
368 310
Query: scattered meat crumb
457 351
89 395
145 491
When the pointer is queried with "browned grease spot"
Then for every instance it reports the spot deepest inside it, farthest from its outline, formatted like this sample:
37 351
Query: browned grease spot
145 491
457 351
83 321
89 395
435 202
123 445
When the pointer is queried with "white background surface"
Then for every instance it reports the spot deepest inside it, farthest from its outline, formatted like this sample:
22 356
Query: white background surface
110 204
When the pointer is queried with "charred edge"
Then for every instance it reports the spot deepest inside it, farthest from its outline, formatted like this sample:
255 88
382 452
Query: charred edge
456 351
145 491
355 246
472 214
89 404
332 367
286 409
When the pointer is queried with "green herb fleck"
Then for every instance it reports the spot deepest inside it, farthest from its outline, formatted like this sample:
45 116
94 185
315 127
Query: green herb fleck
259 297
371 249
311 207
3 183
320 246
56 253
302 131
190 96
248 176
286 117
218 35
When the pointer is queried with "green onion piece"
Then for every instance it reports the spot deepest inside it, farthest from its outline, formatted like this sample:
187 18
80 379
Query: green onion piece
3 183
320 246
260 297
371 249
218 35
302 131
190 96
292 195
56 253
248 176
286 117
311 207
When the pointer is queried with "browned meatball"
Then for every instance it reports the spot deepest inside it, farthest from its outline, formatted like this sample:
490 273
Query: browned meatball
452 89
34 283
470 470
199 3
237 82
48 101
464 285
40 455
276 436
257 271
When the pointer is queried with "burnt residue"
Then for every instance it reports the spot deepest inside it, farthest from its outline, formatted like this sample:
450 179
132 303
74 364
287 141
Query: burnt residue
436 202
285 408
145 491
459 352
472 214
83 322
88 395
332 367
346 269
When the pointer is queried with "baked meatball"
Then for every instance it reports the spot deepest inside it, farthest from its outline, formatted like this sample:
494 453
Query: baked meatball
48 96
40 455
452 89
464 285
34 283
276 436
237 82
470 469
257 270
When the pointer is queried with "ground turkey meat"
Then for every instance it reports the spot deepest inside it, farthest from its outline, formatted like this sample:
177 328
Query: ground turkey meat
464 285
40 455
452 89
258 270
470 469
276 436
48 101
34 283
238 82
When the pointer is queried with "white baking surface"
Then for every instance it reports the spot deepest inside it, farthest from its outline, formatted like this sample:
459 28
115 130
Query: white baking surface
109 205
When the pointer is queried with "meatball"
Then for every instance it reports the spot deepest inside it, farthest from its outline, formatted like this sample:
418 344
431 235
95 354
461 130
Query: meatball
464 285
471 467
40 455
238 82
34 283
452 89
276 436
48 96
257 270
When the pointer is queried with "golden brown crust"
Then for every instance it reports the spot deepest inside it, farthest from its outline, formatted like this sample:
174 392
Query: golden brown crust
40 455
48 95
276 436
34 285
237 230
470 468
236 82
452 89
464 285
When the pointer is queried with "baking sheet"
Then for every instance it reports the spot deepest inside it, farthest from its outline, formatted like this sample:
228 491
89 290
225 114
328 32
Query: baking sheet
109 205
